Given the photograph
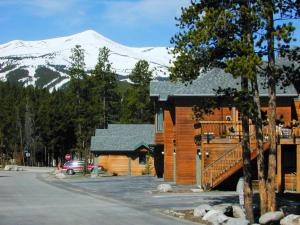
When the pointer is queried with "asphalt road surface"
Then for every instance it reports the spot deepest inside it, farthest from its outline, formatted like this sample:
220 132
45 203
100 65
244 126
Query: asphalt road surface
27 200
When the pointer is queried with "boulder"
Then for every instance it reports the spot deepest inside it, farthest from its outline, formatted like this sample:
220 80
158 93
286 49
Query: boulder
164 188
225 208
215 217
236 221
238 212
60 175
8 167
20 168
270 217
179 215
94 175
291 219
201 210
197 190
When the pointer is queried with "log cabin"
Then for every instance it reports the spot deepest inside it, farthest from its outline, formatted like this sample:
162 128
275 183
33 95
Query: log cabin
208 152
125 149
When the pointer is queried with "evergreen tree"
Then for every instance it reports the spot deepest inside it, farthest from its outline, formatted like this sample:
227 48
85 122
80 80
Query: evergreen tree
227 35
77 94
137 102
271 12
104 90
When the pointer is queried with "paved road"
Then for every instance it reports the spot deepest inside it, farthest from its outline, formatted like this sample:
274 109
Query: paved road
26 200
137 192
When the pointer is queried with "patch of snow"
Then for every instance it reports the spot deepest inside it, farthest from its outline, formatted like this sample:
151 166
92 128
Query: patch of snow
57 51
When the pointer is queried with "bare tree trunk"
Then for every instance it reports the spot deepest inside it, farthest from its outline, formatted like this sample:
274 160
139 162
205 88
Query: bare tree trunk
272 110
259 145
247 158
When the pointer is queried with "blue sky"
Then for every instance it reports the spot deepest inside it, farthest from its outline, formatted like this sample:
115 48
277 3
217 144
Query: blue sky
130 22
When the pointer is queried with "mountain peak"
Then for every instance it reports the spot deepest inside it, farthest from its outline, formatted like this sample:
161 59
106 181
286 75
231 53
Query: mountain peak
91 34
45 62
88 33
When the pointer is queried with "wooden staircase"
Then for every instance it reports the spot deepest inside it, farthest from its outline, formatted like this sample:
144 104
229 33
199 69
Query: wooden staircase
227 164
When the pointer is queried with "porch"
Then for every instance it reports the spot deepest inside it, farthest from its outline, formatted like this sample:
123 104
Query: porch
221 149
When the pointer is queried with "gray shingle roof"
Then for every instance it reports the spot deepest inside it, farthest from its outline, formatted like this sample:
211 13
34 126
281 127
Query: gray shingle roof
205 85
122 137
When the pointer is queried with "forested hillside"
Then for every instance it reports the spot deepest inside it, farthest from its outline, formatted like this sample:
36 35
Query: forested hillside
48 125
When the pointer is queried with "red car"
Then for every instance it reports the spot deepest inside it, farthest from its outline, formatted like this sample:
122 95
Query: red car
72 167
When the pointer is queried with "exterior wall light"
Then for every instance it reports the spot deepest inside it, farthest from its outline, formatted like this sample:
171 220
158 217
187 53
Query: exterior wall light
199 151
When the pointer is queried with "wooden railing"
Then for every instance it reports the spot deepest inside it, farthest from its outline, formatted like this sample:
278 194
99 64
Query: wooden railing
218 170
288 132
231 160
220 166
221 128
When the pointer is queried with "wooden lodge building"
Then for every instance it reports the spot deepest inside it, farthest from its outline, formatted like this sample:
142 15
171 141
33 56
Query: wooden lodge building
217 159
126 149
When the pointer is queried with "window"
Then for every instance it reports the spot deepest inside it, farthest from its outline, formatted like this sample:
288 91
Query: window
160 120
142 158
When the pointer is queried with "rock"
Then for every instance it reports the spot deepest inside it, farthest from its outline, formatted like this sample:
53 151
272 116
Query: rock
167 211
94 175
215 217
14 168
236 221
225 208
238 212
60 175
291 219
20 168
201 210
271 217
164 188
179 214
8 167
197 190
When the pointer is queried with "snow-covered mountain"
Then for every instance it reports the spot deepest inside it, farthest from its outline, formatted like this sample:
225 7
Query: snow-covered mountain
45 63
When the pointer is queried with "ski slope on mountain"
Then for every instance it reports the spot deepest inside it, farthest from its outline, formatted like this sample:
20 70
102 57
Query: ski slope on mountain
20 60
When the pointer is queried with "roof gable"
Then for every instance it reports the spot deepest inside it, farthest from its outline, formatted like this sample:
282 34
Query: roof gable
206 84
123 137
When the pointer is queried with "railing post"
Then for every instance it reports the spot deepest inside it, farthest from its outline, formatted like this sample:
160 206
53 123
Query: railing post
211 179
198 168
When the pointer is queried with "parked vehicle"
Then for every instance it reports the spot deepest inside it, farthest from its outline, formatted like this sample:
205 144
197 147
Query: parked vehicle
72 167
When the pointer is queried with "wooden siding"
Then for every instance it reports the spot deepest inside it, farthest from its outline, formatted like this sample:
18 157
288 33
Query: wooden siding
118 164
159 138
216 149
290 182
185 146
297 107
168 145
285 111
298 168
179 126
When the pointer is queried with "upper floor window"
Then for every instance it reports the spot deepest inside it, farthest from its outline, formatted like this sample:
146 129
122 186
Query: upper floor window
160 120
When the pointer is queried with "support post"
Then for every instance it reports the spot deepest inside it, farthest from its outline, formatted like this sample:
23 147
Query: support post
174 164
198 168
129 165
279 169
95 170
174 161
298 169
